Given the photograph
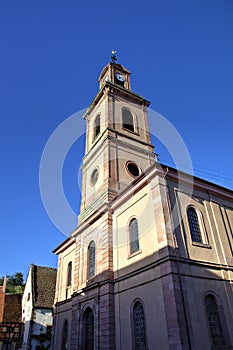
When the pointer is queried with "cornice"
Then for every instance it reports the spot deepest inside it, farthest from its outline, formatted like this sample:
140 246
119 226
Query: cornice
197 183
112 86
64 245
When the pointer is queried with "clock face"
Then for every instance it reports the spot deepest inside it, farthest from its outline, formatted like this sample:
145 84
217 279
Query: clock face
119 77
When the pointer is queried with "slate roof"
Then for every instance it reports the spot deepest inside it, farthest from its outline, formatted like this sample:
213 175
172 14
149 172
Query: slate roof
43 286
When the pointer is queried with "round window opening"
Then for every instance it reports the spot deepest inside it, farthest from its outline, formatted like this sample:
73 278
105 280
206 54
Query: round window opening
94 176
133 169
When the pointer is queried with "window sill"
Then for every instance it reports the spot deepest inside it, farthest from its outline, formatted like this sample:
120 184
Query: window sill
201 245
131 131
134 254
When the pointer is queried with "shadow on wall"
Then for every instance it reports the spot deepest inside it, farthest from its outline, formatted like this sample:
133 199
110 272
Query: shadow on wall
183 293
39 336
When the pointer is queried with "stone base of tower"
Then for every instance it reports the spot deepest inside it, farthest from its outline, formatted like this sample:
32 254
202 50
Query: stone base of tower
98 298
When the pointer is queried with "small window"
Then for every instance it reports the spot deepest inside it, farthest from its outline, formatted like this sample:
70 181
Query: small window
97 126
194 225
139 327
132 169
127 119
69 274
214 321
133 236
64 343
91 260
94 176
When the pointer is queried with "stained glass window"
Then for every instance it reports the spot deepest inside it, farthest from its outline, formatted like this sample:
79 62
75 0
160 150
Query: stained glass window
69 274
139 326
89 329
194 225
91 259
215 326
133 236
64 344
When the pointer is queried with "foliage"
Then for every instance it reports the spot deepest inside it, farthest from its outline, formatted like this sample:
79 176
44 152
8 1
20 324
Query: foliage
19 289
15 283
16 279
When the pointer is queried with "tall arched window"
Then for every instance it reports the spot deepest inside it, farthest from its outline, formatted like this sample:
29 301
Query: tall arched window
97 126
139 327
127 119
214 321
64 343
69 274
194 225
133 236
91 260
88 322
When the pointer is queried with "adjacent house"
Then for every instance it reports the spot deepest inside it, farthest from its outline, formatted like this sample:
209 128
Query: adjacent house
37 306
10 320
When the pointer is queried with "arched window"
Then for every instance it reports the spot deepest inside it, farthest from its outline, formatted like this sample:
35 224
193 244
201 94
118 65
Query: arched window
139 327
91 260
214 322
97 126
69 274
88 322
194 225
64 343
133 236
127 119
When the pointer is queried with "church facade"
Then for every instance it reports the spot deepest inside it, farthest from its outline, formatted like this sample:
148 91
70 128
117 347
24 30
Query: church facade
150 265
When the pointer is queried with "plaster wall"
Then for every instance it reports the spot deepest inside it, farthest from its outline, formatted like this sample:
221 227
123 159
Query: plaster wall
216 224
41 319
27 309
195 287
149 292
139 206
62 291
100 109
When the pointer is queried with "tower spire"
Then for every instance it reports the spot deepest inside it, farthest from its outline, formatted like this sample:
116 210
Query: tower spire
113 57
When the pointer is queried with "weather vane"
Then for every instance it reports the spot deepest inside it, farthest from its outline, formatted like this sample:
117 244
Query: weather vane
113 57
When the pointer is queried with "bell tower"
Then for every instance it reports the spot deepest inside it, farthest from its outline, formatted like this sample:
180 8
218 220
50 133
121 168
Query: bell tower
118 145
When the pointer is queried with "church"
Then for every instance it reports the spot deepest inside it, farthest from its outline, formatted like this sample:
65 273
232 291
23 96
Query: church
150 264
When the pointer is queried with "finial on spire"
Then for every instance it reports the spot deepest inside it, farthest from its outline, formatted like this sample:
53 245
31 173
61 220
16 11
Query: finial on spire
113 57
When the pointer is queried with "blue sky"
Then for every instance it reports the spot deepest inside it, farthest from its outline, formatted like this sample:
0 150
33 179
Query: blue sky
180 55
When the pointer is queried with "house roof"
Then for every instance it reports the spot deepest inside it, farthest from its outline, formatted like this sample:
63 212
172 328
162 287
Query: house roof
12 308
43 286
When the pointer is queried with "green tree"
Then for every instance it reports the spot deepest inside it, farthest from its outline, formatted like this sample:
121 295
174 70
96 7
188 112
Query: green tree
15 283
16 279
